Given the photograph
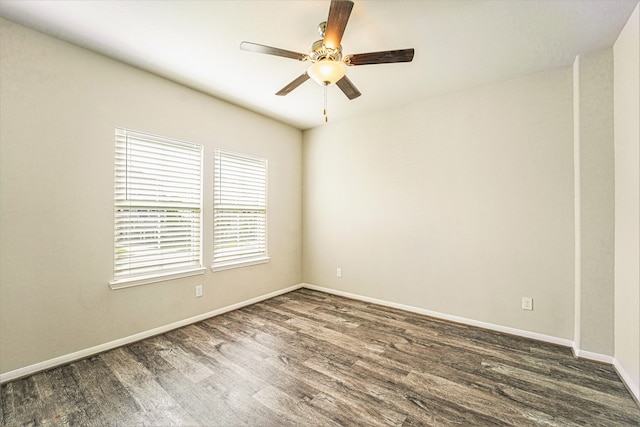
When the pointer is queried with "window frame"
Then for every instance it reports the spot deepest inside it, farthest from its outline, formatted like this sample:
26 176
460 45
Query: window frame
125 139
245 260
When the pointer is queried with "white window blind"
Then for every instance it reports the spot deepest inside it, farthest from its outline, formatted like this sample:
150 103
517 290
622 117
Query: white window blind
158 199
240 210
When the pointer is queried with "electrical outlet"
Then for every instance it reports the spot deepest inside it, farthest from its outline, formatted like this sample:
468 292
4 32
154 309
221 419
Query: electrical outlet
198 291
339 272
527 303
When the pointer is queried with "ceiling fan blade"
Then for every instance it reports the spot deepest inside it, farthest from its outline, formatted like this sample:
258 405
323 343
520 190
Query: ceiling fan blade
385 57
339 12
348 88
294 84
260 48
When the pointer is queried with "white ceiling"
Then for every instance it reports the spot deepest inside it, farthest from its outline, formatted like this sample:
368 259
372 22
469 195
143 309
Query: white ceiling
458 44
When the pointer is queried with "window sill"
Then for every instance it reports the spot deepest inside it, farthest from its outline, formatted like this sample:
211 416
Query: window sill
145 280
238 264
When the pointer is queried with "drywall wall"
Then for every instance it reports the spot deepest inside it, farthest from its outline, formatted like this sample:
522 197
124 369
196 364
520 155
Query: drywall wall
59 105
461 204
626 52
594 204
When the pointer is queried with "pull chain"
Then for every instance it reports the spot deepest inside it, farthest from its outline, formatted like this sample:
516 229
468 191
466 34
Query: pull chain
326 118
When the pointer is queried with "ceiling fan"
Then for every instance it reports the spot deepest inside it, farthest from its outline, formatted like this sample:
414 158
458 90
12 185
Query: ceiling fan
327 63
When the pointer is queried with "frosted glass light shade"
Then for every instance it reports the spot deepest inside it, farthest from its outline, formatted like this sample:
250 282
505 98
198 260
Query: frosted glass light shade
326 71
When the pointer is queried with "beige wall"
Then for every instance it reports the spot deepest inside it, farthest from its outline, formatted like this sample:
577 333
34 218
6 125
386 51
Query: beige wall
594 209
59 105
627 201
460 205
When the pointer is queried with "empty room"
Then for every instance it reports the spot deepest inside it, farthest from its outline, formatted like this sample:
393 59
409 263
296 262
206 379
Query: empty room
323 212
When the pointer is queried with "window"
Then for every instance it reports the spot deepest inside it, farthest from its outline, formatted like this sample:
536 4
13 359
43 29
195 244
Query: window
158 199
239 210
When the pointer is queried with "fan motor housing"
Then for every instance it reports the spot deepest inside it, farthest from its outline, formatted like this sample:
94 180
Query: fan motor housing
319 51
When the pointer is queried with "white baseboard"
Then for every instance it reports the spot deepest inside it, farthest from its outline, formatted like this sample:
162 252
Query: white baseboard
583 354
632 386
457 319
91 351
627 380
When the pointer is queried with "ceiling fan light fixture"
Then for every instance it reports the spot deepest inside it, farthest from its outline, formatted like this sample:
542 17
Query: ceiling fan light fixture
328 66
326 71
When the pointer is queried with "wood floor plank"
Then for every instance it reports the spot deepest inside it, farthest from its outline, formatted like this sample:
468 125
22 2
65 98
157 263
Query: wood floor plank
310 358
476 379
158 407
599 401
347 405
236 407
388 392
292 411
100 386
479 401
62 398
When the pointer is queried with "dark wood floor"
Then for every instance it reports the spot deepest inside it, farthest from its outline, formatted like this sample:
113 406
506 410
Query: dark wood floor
309 358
